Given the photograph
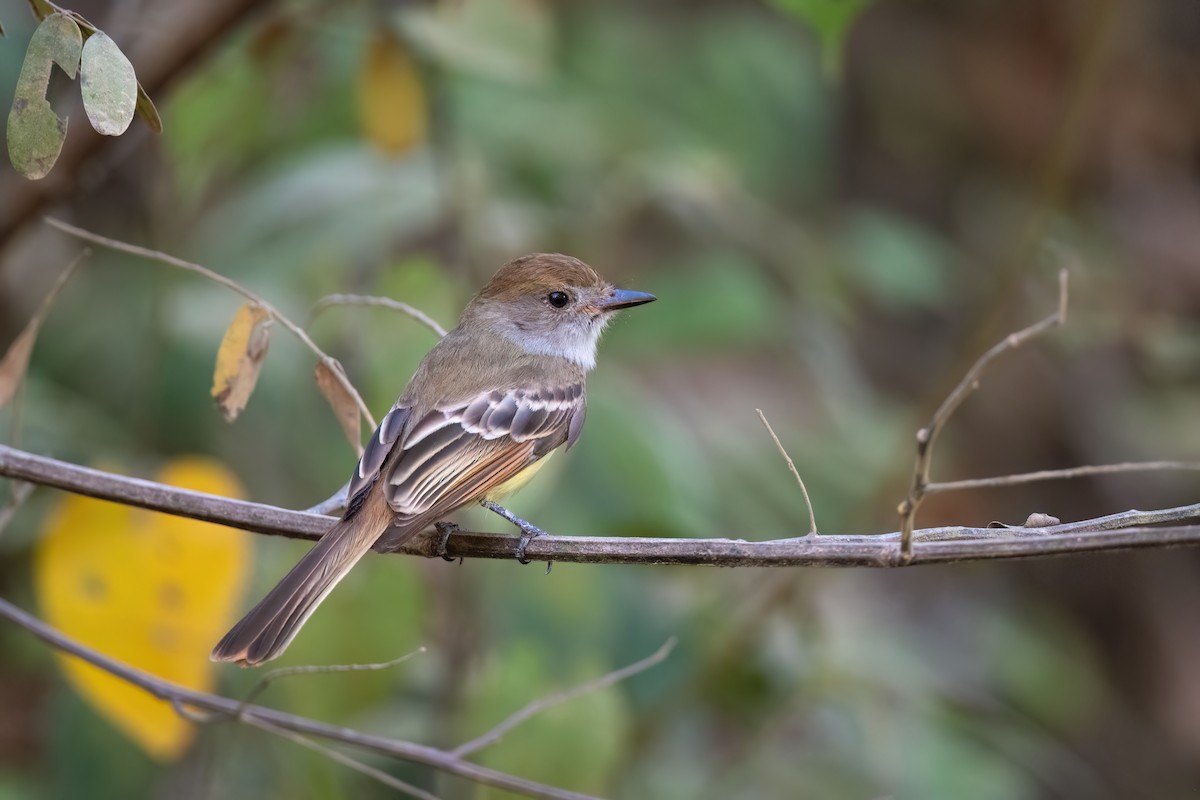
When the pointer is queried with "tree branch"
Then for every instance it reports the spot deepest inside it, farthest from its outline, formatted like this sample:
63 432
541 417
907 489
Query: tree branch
541 704
927 436
232 285
1059 474
331 300
270 719
1122 531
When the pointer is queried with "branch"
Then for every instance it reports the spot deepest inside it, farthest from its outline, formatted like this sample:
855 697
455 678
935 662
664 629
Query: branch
1122 531
331 300
812 518
927 436
228 283
1060 474
541 704
271 719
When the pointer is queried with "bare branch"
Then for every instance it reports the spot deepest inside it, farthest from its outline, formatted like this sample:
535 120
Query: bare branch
335 502
310 669
1060 474
179 696
927 436
812 518
540 705
939 545
18 494
228 283
385 302
343 759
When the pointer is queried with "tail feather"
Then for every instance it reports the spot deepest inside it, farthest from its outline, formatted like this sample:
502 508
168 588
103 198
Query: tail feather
266 631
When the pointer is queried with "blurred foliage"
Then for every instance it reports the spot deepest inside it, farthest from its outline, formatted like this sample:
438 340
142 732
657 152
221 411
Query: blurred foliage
832 247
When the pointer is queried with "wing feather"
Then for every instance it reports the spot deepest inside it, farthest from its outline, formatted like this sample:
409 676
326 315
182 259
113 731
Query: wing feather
457 452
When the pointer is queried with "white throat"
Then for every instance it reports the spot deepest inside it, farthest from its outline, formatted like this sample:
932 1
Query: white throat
573 341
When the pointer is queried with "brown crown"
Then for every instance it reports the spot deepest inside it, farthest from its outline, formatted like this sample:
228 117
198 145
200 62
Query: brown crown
539 272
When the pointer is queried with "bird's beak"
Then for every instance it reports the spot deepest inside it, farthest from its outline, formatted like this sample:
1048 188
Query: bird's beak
624 298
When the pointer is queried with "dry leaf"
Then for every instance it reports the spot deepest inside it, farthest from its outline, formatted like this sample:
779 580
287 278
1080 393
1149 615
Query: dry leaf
240 359
344 406
391 101
151 590
16 358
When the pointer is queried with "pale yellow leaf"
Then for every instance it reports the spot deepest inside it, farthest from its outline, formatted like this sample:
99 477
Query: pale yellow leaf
391 100
240 359
151 590
343 404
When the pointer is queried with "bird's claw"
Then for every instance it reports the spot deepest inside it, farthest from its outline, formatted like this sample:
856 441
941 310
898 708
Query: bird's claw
528 534
446 529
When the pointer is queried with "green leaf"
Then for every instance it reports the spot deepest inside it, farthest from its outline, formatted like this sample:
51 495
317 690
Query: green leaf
830 20
35 132
108 85
145 106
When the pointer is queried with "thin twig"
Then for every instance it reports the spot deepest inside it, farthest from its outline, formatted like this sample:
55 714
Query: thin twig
540 705
939 545
18 494
179 695
1060 474
371 300
216 277
334 503
927 436
310 669
812 517
344 760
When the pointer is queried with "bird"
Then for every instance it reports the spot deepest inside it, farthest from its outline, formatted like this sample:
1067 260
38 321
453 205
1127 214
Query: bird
484 410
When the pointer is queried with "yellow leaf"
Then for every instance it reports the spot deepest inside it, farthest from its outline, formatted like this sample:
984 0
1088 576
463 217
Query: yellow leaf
343 405
152 590
240 358
391 101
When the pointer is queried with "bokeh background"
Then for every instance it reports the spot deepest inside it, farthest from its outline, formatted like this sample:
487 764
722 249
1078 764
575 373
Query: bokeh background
839 205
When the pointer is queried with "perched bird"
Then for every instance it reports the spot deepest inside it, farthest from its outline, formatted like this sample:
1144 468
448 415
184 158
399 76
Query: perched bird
487 405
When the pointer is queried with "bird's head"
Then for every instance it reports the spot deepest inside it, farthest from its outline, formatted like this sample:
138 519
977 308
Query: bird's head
551 304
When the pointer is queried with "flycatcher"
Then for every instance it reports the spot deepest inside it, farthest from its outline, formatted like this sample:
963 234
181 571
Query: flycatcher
488 403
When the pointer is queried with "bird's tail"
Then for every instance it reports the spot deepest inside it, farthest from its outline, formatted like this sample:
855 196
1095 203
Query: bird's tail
271 625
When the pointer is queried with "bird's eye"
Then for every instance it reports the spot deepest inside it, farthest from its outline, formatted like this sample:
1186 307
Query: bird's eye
557 299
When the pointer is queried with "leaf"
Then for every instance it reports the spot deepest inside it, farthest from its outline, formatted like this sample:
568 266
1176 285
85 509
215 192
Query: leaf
344 406
146 110
391 101
151 590
15 361
830 20
145 106
511 41
108 85
240 359
35 132
16 358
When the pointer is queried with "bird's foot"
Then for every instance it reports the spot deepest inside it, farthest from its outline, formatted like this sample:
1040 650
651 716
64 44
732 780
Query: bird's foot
529 531
446 529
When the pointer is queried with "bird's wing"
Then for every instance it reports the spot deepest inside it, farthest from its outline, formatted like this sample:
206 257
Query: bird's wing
459 451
